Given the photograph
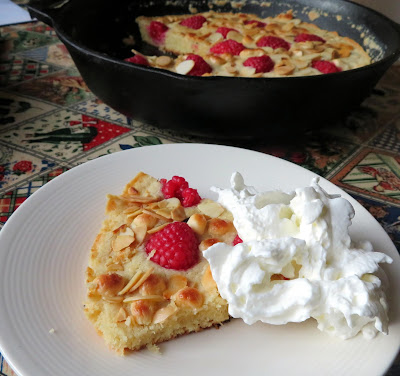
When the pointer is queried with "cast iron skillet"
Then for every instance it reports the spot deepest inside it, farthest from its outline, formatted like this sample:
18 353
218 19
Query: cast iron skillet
221 107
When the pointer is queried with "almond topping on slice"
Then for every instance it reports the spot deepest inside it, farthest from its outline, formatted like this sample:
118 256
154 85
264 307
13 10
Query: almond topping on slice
158 228
163 313
109 284
145 219
189 297
143 311
175 283
131 283
140 234
217 226
130 299
210 208
153 285
185 67
163 61
141 280
178 214
197 222
121 315
122 241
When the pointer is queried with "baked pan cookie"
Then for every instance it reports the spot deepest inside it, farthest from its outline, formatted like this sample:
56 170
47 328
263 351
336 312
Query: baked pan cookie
238 44
147 281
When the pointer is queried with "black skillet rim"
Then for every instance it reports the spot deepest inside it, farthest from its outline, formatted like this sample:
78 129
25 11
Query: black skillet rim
163 72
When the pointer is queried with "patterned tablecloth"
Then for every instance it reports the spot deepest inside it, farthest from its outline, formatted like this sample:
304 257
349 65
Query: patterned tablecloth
50 122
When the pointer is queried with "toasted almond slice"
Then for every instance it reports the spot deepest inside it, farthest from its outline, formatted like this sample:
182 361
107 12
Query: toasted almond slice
140 234
140 297
122 241
210 208
185 67
163 313
197 222
113 299
178 214
131 283
145 219
135 214
121 315
133 191
158 228
127 231
141 280
175 283
114 267
119 228
163 61
140 199
235 36
155 215
131 209
215 37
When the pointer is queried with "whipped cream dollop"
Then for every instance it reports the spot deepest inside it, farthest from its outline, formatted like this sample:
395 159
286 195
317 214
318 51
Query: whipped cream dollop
297 261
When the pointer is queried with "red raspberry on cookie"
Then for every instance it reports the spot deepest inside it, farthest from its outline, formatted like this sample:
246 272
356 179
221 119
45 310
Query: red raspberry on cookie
325 66
228 46
176 247
200 66
157 31
273 42
262 64
308 38
137 59
195 22
224 31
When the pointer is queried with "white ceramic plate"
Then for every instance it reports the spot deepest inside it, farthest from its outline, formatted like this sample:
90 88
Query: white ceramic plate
44 250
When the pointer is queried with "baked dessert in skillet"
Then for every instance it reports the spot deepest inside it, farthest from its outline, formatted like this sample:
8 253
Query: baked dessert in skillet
147 280
238 44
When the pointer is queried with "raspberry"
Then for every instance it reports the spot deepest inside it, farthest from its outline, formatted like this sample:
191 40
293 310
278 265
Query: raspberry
157 31
194 22
137 59
262 64
229 46
308 37
237 240
273 42
325 66
224 31
178 187
190 197
176 247
258 23
200 65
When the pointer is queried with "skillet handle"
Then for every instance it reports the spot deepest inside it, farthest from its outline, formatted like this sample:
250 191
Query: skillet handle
45 10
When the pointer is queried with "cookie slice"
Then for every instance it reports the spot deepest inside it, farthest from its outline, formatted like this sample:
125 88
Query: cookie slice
135 296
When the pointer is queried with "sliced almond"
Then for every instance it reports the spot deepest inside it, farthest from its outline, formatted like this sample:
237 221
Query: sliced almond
178 214
131 209
122 241
197 222
163 61
141 280
175 283
140 199
133 191
140 234
158 228
247 71
155 215
121 315
163 313
130 299
236 36
215 37
210 208
135 213
185 67
131 283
